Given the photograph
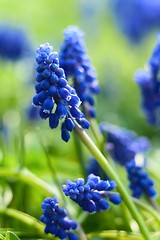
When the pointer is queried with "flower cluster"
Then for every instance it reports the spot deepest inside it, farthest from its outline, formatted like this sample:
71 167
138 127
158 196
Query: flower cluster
74 60
90 196
14 43
140 182
149 83
53 89
136 18
122 144
56 220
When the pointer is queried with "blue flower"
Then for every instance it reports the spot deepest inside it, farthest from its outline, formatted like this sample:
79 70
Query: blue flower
56 220
149 83
140 182
136 18
123 145
14 43
77 65
55 98
91 196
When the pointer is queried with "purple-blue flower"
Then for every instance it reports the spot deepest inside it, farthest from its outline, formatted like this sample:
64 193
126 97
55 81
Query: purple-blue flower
77 65
57 221
123 145
140 182
136 18
14 43
56 99
149 84
91 197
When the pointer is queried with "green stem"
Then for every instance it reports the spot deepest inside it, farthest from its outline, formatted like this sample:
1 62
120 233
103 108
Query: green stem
79 154
112 174
30 221
147 208
114 234
96 132
52 169
153 203
29 178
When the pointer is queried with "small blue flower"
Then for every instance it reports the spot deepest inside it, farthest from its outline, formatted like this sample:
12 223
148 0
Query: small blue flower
14 43
136 26
149 83
140 182
56 220
55 98
123 145
91 196
76 64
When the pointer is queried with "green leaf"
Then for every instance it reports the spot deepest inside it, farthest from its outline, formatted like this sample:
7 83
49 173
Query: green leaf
11 236
2 237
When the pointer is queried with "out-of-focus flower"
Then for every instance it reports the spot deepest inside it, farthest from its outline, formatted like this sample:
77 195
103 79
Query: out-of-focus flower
123 145
14 43
149 83
140 182
94 168
136 18
56 220
91 196
77 65
55 97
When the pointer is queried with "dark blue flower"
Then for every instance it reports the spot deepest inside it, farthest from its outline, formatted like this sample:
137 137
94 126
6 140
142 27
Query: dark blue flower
77 65
123 145
136 18
55 98
149 83
14 43
91 196
56 220
140 182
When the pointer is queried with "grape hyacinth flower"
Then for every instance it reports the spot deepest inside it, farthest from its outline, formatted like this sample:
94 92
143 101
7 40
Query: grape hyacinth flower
56 220
149 83
140 182
77 65
14 43
123 145
136 19
56 99
91 196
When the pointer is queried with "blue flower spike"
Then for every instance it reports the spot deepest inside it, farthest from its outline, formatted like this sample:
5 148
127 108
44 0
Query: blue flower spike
140 182
116 139
77 65
91 196
56 99
56 220
149 84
